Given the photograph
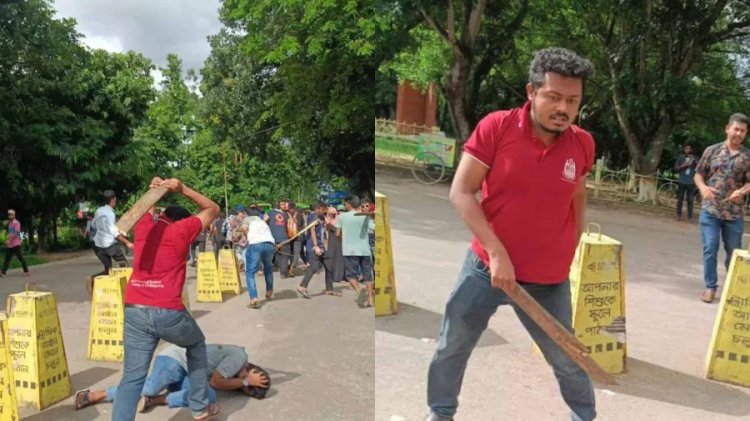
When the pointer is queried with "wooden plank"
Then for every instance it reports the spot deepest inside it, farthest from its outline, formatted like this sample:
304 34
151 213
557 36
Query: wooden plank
134 214
557 332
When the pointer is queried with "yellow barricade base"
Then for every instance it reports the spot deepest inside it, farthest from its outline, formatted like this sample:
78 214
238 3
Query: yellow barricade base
728 358
107 321
40 366
385 279
207 287
8 404
229 276
597 284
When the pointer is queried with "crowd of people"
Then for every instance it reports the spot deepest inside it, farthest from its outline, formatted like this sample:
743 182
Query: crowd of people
299 242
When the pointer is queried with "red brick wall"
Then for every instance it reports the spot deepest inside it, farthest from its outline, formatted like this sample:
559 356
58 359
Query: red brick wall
415 108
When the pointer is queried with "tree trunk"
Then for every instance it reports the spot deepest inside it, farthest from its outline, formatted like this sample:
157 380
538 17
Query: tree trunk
54 231
43 233
455 94
646 189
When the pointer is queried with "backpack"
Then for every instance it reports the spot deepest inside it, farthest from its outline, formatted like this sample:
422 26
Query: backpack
291 225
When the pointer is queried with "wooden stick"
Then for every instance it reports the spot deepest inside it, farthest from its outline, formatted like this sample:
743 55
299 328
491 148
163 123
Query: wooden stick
146 202
557 332
285 242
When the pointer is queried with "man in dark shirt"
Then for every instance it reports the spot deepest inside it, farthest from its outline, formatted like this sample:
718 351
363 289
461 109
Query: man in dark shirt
277 219
685 164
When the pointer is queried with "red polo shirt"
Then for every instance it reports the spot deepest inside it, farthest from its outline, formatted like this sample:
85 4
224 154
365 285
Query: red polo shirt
527 194
159 266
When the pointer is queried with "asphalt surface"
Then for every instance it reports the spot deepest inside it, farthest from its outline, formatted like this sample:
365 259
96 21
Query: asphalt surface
668 327
319 352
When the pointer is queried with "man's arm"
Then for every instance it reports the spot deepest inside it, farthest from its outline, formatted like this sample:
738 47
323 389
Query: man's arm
579 204
113 229
220 382
208 210
466 184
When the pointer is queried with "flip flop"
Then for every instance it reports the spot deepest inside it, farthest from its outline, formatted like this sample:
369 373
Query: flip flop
333 293
303 292
82 399
212 411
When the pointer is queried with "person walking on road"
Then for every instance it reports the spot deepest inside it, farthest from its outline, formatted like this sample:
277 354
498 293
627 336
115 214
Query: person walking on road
153 301
722 178
260 250
530 164
13 245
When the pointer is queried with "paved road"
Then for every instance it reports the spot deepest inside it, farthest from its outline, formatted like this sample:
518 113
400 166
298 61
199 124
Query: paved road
669 329
319 352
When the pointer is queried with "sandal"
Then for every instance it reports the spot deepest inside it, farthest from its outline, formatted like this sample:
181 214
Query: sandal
303 291
253 303
82 399
269 295
212 411
333 293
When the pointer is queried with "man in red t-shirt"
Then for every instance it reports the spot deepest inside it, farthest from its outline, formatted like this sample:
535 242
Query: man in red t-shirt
153 301
530 164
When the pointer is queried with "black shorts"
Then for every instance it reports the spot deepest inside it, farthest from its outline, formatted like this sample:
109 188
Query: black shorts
358 265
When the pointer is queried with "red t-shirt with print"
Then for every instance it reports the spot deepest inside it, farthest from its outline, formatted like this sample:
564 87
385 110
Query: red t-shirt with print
527 193
159 266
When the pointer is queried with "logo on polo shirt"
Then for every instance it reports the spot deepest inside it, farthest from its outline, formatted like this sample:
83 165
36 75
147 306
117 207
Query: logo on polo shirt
569 172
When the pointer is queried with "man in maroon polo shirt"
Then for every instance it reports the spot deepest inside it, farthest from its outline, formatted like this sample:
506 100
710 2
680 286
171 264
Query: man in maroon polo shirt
531 164
153 301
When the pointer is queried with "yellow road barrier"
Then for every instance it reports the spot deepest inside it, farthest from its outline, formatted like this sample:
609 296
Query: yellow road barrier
385 278
40 367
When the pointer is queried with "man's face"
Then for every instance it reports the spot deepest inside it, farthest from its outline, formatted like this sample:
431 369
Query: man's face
687 149
555 104
365 207
284 206
736 133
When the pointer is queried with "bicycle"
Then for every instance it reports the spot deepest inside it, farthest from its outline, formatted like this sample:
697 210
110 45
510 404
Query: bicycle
434 155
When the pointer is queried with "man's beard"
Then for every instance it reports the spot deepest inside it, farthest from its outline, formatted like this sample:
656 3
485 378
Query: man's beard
535 116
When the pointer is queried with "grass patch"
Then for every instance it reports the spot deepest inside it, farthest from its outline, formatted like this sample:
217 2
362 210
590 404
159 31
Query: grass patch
395 147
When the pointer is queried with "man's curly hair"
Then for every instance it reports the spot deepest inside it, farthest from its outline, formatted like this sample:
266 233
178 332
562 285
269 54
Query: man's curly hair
561 61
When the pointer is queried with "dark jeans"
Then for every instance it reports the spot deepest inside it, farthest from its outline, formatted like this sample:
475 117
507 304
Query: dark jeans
143 329
685 191
469 308
283 257
201 246
296 251
256 254
315 263
9 252
106 254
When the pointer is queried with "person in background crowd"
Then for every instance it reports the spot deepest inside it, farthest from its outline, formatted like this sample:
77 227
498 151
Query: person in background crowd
107 236
277 222
685 165
13 244
295 224
217 234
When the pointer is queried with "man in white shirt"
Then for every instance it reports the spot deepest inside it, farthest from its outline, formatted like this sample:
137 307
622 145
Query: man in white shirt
106 238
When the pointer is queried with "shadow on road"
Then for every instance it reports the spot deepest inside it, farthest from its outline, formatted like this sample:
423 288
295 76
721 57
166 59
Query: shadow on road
419 323
649 381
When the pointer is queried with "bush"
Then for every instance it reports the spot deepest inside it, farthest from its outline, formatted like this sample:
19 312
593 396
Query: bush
69 239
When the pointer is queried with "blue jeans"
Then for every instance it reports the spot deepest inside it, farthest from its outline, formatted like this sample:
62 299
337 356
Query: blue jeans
257 253
469 308
143 329
711 228
168 374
